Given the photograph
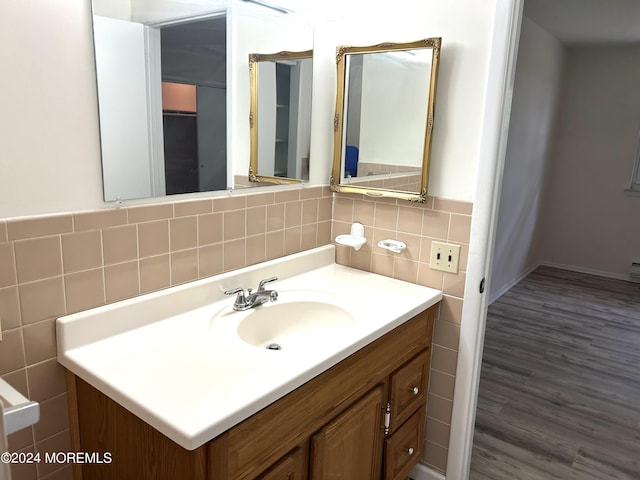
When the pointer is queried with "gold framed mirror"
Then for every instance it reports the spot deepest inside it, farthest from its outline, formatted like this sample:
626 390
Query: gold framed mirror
384 118
280 117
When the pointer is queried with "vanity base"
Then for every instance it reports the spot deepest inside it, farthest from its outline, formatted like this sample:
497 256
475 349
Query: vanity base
361 419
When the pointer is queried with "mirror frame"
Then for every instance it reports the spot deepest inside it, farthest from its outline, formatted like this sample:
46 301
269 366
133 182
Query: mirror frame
254 58
338 121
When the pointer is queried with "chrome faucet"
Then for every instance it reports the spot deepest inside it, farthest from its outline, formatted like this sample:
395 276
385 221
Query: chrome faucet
252 299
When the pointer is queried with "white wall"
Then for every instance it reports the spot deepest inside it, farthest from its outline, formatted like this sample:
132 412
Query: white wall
50 158
537 84
49 147
589 222
465 27
49 144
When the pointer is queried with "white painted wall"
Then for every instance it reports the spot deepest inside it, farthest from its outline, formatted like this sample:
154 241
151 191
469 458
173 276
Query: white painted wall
49 144
465 27
50 158
537 84
589 222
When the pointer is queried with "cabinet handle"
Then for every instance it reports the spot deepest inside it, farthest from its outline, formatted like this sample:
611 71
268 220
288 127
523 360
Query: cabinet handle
414 390
410 450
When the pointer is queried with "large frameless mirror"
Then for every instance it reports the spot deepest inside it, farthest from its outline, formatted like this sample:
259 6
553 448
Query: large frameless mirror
168 123
384 118
280 118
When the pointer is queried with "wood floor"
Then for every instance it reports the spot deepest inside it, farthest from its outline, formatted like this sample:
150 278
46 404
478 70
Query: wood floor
560 384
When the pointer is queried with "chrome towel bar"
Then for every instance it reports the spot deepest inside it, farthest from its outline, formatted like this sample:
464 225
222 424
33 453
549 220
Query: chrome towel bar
19 412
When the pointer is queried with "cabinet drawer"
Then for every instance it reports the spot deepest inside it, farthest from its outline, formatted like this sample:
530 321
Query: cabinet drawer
404 449
409 388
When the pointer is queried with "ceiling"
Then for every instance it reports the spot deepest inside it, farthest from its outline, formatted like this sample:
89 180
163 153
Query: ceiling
577 22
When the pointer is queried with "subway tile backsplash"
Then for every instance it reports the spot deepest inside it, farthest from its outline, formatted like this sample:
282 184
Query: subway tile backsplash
59 264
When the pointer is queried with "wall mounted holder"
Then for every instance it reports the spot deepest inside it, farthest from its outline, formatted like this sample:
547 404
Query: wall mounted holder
394 246
355 239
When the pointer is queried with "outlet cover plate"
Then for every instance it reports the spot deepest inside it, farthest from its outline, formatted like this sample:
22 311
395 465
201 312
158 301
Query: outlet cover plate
444 257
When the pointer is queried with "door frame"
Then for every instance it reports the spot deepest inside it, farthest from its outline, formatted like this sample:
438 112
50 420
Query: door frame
498 96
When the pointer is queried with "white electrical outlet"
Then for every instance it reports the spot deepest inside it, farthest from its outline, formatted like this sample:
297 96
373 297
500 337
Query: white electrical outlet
445 257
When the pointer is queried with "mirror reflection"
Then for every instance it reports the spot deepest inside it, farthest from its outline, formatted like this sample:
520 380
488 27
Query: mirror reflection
280 118
194 116
168 122
384 118
162 104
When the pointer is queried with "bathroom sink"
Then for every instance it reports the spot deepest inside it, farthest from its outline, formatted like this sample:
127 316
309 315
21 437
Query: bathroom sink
219 372
295 325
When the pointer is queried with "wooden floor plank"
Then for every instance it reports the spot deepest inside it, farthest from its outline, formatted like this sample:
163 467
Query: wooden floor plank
559 391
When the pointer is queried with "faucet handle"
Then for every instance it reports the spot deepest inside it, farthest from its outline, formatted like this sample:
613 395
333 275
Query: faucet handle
265 281
233 291
240 299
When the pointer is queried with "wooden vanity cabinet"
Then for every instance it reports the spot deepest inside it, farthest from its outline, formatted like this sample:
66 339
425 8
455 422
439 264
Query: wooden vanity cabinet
363 419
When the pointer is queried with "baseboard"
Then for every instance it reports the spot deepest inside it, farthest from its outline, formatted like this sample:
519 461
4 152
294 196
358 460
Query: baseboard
422 472
509 285
572 268
590 271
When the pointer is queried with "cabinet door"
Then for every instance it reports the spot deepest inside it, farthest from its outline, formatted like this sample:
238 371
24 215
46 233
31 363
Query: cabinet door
349 448
291 467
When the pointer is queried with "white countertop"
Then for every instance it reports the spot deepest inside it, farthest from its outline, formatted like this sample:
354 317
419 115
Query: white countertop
174 359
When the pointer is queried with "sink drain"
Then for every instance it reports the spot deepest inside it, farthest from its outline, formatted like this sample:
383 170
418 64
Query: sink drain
274 346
